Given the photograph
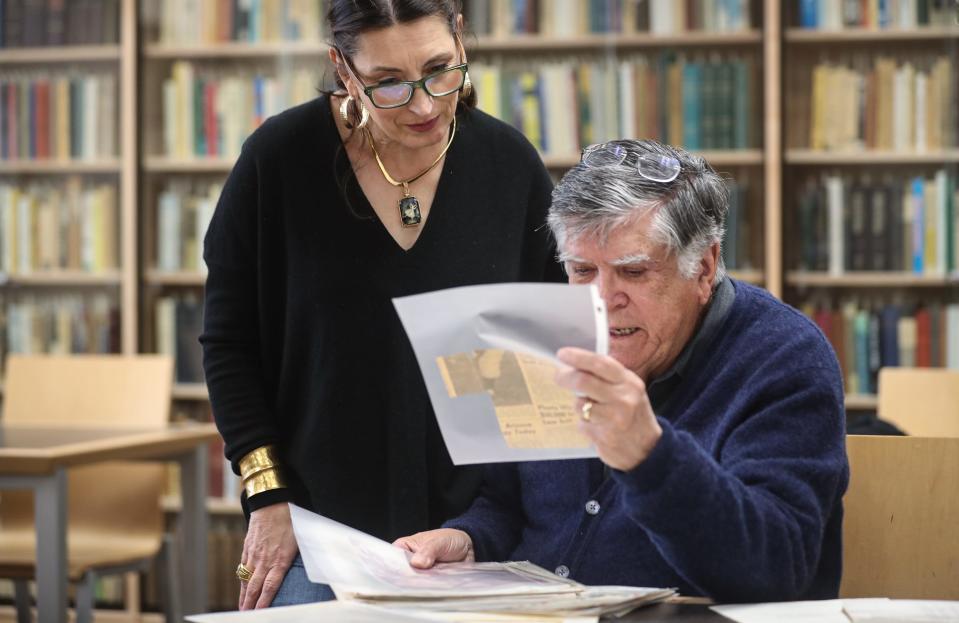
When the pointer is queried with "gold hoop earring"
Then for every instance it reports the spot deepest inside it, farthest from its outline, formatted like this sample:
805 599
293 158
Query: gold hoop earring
467 85
364 114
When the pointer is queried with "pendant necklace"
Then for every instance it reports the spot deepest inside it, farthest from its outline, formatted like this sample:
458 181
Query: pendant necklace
410 214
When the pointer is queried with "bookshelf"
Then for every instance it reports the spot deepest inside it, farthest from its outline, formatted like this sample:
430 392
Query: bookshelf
872 177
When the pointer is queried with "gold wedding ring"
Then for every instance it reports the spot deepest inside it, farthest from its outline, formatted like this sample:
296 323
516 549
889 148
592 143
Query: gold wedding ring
243 573
586 410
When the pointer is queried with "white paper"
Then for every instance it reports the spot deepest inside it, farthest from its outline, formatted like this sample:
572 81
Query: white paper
356 563
492 334
824 611
333 611
901 611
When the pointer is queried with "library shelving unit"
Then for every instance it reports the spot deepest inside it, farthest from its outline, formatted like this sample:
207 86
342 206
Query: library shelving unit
506 52
870 167
59 175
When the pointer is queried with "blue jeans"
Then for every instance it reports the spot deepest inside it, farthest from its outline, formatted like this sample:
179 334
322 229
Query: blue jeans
297 588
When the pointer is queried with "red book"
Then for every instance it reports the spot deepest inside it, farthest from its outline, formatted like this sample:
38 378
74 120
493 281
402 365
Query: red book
43 118
923 338
215 468
209 117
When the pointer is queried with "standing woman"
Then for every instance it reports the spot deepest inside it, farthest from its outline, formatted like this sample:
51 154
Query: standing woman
392 185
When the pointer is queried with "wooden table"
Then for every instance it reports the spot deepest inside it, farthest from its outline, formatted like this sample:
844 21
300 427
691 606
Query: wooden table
37 458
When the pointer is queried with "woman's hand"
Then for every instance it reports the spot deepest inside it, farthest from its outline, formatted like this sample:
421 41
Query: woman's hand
268 551
433 546
621 421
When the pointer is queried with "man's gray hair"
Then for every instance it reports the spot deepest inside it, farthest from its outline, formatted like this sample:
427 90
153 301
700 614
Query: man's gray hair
690 211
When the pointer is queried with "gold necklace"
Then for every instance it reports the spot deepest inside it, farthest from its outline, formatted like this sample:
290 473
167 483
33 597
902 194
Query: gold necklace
410 214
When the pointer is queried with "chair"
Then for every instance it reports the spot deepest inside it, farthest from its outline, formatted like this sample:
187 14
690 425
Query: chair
920 401
114 523
901 517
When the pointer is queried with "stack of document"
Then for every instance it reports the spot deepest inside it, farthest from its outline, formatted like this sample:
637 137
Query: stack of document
362 568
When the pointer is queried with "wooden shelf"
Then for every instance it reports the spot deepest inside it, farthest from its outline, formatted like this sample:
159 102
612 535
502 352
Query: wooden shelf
178 278
600 41
58 167
190 391
869 279
728 157
236 49
812 156
163 164
60 278
214 506
755 277
861 402
57 54
877 35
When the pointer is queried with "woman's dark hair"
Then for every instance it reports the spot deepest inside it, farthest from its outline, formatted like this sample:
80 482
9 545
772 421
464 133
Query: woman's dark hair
348 19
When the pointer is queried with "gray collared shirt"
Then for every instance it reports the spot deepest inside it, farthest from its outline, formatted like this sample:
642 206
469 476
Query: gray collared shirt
662 387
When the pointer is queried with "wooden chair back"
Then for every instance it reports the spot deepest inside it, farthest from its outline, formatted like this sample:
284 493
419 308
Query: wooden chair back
901 518
920 401
114 513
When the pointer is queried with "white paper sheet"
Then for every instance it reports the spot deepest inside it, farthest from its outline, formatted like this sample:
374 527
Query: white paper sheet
333 611
901 611
824 611
359 564
486 354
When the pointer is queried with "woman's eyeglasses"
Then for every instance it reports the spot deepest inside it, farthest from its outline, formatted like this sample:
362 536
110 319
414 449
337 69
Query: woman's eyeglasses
399 93
651 166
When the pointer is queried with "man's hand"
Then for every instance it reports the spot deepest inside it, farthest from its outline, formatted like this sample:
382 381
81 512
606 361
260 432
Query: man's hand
268 551
621 423
433 546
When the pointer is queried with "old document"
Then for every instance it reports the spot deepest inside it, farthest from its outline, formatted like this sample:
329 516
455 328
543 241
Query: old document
487 355
532 411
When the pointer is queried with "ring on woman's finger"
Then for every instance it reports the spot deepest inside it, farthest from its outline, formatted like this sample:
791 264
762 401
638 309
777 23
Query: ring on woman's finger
586 411
243 573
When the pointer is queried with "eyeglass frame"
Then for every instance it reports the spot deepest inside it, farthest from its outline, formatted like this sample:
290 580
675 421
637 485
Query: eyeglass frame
414 84
590 149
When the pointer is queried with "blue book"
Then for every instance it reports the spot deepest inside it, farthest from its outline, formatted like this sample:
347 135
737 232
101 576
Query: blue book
918 226
808 17
692 105
883 13
889 336
861 341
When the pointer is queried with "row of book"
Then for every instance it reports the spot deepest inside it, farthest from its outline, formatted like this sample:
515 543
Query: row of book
564 18
178 323
62 324
891 105
701 103
209 112
190 22
61 116
900 14
66 225
184 211
867 337
850 224
36 23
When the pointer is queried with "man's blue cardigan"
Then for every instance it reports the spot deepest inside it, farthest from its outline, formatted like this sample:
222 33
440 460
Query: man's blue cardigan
741 499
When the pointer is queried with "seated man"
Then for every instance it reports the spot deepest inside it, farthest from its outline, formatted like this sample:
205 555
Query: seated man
717 416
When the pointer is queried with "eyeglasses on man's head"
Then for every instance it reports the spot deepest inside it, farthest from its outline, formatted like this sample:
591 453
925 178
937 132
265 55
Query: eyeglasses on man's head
653 167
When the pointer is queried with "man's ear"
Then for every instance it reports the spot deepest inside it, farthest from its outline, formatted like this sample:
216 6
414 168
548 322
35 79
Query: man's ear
707 272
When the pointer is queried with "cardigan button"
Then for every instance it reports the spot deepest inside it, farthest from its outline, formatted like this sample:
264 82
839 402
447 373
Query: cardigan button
562 571
592 507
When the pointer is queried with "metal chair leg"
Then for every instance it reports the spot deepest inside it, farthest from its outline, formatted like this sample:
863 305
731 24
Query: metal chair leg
169 584
85 597
21 597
